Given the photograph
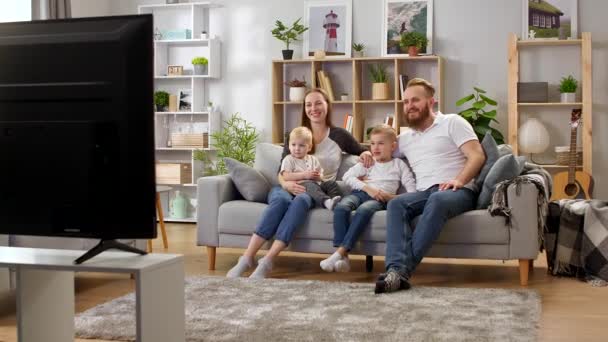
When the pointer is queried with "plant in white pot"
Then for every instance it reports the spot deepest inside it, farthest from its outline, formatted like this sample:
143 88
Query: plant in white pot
200 65
379 78
358 50
567 88
297 89
288 35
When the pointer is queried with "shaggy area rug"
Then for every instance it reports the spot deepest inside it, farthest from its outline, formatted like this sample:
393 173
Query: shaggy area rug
221 309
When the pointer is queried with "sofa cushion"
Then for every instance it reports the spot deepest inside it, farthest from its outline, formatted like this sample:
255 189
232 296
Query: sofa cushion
491 151
477 226
248 181
268 160
348 161
506 167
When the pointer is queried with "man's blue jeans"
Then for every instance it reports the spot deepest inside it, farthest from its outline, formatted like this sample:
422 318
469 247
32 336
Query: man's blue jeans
283 214
346 233
405 246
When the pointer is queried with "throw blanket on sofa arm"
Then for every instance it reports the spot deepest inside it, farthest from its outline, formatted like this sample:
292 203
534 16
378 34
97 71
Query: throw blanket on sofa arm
532 174
577 240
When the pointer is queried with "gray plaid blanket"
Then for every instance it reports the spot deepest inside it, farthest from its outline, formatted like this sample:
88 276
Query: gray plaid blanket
576 239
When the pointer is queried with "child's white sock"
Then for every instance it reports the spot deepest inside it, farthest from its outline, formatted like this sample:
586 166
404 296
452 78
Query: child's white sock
241 266
330 203
342 265
328 264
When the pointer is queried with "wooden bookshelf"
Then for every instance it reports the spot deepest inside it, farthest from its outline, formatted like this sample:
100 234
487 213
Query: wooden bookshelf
514 46
357 85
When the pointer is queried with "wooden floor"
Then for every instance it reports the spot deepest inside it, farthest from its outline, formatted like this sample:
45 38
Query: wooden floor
572 310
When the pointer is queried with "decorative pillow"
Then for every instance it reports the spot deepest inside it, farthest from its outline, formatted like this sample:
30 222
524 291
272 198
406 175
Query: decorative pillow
268 161
248 181
491 150
348 161
504 149
506 167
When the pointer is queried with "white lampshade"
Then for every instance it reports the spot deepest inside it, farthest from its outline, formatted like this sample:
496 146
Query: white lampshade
533 137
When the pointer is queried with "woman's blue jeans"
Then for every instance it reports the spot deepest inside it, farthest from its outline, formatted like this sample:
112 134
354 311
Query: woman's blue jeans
283 215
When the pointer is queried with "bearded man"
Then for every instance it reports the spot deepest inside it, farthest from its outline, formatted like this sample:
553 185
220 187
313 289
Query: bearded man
445 155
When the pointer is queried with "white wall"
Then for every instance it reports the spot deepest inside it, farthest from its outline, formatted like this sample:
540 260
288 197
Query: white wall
470 34
91 8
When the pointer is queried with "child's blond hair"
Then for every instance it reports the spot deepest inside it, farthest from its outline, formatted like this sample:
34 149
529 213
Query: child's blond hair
301 133
387 130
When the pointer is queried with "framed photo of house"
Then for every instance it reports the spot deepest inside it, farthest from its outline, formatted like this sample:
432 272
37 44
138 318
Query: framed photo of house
399 16
550 19
329 25
185 100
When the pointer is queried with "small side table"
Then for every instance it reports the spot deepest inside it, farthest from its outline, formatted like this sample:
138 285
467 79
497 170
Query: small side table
45 291
161 217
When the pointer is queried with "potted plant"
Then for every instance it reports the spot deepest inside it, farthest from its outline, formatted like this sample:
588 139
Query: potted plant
200 65
567 88
358 50
288 35
161 100
413 41
203 163
479 117
237 139
344 97
210 106
297 89
379 78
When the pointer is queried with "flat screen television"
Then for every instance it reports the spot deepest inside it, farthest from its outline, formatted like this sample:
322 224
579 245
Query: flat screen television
77 129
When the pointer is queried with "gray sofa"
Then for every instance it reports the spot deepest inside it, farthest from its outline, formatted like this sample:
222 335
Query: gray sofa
225 219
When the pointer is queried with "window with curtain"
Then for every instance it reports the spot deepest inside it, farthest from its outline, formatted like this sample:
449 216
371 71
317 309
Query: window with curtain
16 11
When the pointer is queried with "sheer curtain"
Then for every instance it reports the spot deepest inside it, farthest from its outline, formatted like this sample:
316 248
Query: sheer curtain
51 9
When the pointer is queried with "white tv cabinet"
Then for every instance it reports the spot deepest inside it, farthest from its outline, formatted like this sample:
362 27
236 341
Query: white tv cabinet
45 291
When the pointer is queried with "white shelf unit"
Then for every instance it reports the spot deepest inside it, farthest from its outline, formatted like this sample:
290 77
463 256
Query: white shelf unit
197 118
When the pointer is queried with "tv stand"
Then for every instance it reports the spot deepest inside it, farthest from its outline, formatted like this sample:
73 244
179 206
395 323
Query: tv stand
104 245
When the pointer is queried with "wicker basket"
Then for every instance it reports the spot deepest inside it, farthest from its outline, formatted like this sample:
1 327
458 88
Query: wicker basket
563 155
190 140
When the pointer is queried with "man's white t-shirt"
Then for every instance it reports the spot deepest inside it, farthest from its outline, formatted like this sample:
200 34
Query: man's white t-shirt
434 154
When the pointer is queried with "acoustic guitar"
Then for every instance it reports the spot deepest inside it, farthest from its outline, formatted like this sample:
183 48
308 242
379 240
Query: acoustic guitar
572 184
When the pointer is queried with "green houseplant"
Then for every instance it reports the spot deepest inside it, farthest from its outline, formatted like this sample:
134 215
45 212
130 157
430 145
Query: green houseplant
413 41
478 116
567 88
205 165
358 50
288 35
297 89
200 65
161 100
379 78
236 140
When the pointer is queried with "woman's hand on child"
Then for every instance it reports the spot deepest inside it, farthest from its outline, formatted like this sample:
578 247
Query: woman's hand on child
366 159
382 196
293 187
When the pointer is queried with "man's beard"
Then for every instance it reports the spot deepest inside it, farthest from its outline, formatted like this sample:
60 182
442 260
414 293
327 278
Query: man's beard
417 122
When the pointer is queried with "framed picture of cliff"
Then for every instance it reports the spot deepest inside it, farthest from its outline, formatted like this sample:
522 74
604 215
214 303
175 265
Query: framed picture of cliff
550 19
329 25
400 16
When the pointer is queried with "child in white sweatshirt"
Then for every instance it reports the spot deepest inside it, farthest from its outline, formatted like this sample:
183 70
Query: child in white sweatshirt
372 188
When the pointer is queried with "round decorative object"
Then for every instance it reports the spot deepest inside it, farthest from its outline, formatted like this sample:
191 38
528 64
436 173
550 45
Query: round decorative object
319 54
533 136
296 94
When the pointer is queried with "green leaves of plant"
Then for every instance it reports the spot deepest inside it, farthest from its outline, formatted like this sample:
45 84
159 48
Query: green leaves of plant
378 73
287 35
478 117
465 99
488 100
479 90
236 140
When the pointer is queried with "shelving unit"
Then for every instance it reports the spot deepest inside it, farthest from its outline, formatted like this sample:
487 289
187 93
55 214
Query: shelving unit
349 75
586 82
197 119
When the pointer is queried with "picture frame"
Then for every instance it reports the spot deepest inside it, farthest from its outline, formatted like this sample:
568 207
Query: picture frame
329 25
175 70
399 16
185 100
547 17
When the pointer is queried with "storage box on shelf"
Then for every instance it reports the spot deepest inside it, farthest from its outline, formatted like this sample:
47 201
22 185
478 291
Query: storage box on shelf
178 39
516 105
349 76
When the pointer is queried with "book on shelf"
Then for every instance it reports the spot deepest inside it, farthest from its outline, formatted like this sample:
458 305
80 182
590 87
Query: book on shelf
325 83
403 79
348 123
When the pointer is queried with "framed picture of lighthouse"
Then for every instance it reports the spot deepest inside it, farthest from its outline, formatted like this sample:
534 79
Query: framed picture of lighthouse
400 16
329 25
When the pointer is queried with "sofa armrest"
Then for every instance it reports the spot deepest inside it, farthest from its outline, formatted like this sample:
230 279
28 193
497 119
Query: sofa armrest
211 193
523 242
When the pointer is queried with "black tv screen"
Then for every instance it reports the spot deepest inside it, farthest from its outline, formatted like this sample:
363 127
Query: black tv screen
77 128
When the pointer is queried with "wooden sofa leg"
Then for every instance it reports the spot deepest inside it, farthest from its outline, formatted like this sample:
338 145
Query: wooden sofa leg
524 269
211 258
369 263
